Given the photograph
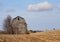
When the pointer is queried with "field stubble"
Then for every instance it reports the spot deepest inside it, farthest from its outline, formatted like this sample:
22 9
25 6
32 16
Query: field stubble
46 36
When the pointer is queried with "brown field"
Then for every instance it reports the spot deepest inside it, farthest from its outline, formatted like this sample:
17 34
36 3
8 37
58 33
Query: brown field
46 36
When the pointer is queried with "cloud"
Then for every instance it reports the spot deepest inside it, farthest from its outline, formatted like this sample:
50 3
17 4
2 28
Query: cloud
40 6
58 7
1 4
10 10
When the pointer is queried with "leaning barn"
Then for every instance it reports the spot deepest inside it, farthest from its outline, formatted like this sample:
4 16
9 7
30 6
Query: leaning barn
19 25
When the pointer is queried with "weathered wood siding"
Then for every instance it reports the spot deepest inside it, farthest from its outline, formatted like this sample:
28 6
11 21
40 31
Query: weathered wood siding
19 25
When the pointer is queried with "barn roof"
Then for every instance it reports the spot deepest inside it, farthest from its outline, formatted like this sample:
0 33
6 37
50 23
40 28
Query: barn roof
18 17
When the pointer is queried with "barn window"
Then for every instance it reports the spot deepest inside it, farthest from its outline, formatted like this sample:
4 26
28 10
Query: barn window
18 18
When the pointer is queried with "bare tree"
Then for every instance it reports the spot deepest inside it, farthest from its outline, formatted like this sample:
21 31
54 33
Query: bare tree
53 28
7 25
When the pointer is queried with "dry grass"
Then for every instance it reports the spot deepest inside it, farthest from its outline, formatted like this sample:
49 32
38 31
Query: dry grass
46 36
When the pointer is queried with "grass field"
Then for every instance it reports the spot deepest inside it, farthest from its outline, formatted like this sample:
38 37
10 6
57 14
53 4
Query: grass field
46 36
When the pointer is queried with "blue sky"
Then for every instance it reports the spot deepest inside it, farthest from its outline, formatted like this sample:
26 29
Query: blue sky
39 14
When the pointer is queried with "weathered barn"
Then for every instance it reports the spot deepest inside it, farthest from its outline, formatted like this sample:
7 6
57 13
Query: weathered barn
19 25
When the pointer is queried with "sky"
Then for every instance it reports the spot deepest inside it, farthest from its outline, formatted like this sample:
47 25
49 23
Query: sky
39 14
